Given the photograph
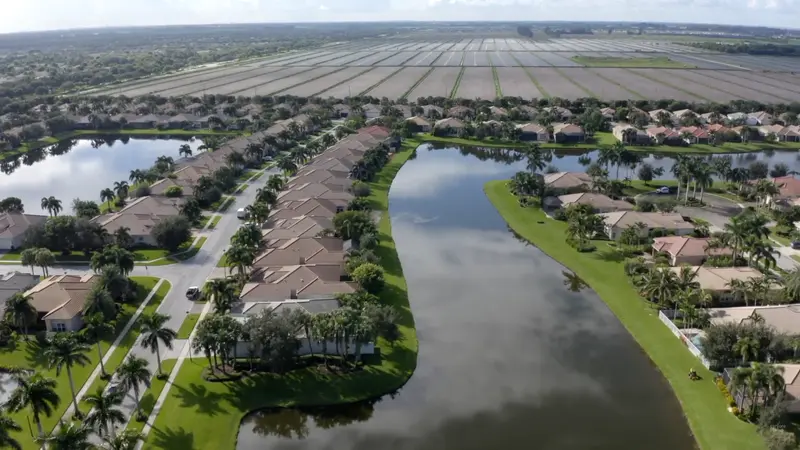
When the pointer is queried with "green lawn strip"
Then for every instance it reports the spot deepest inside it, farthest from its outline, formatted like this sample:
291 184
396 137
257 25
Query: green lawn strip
578 85
636 187
211 412
24 354
703 404
220 204
223 262
413 86
214 221
666 83
241 188
498 90
190 252
778 237
127 342
143 254
535 81
656 63
620 85
150 395
454 91
187 326
796 258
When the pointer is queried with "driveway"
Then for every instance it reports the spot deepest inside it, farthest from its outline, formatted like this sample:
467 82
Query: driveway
717 212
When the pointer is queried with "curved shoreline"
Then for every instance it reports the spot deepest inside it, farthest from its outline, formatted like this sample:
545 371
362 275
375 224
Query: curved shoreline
211 413
704 408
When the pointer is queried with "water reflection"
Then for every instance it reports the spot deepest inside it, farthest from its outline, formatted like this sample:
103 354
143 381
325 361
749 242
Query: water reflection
80 168
573 282
510 356
297 423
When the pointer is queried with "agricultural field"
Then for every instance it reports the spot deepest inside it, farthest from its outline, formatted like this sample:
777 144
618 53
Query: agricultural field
611 69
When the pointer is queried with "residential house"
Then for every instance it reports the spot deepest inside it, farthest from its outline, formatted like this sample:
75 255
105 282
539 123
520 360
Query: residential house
560 113
567 182
13 227
498 112
568 132
418 124
294 251
608 113
635 136
682 113
145 122
432 112
788 187
533 132
334 164
461 112
781 133
654 115
371 111
743 118
449 126
761 118
312 207
316 190
694 135
296 282
599 202
791 387
527 112
785 319
616 222
15 282
687 250
717 280
298 227
405 111
59 300
140 217
665 136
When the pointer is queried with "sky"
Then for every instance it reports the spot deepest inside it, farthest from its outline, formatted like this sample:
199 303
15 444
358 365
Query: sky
37 15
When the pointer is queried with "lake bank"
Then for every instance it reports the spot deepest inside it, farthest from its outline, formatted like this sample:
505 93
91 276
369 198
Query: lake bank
703 405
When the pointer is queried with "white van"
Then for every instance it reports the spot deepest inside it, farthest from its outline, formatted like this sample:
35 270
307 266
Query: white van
241 214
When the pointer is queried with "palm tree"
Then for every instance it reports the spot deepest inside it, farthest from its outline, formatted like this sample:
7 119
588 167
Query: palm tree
45 259
222 292
20 312
738 230
133 373
66 351
137 176
69 436
7 425
267 196
747 347
106 196
660 285
276 183
121 189
96 329
153 331
36 393
127 440
240 257
52 205
258 212
185 150
103 415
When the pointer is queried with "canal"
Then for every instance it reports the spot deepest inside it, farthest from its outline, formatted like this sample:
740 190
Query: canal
512 354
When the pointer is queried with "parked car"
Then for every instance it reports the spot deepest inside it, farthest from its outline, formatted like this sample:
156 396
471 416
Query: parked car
194 293
241 214
796 245
662 190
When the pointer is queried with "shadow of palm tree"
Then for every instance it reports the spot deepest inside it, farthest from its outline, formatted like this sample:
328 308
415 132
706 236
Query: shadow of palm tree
610 256
197 396
170 439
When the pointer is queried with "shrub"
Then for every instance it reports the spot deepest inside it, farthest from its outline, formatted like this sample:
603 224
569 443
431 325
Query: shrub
644 205
172 232
142 191
560 214
725 393
360 189
173 191
370 277
779 439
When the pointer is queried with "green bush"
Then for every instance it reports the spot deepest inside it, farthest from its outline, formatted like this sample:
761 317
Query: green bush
173 191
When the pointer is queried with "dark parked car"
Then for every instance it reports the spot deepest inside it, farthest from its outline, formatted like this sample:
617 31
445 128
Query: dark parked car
796 245
194 293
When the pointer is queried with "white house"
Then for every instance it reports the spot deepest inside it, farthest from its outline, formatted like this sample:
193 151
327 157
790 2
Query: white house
13 227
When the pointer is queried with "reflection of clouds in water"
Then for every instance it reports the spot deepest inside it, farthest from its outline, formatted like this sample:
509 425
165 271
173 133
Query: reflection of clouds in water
433 173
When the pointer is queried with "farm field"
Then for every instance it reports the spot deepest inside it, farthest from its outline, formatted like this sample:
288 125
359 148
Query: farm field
611 69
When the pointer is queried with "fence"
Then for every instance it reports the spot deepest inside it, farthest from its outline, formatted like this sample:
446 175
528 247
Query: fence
686 341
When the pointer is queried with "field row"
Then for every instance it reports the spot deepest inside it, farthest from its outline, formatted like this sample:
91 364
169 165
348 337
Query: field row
479 82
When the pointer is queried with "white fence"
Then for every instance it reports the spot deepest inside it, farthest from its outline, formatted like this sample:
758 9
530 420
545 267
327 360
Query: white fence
686 341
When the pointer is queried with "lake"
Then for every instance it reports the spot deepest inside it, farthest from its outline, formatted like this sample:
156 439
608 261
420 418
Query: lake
510 357
80 168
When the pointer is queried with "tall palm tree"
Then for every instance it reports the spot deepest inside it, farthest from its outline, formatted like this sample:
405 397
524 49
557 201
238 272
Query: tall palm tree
127 440
739 230
132 374
276 183
258 212
660 285
747 347
185 150
36 393
7 425
121 189
137 176
240 257
20 312
45 259
153 331
96 328
106 196
69 436
267 196
66 351
104 415
222 292
52 205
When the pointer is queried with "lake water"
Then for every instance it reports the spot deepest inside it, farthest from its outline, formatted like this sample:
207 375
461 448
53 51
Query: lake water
80 169
510 358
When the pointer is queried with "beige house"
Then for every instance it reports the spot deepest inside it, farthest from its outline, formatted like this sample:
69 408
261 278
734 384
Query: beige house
13 227
533 132
449 124
599 202
567 182
296 282
617 222
717 280
784 318
634 136
568 132
312 207
316 190
300 251
687 250
60 299
140 216
419 124
298 227
462 112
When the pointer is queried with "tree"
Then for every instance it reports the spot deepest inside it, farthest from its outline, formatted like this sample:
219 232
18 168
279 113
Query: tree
267 196
353 224
185 150
370 277
28 258
103 414
45 259
582 225
69 436
127 440
36 393
171 232
779 170
659 285
222 293
257 212
11 205
276 183
66 351
122 237
132 374
99 301
646 173
20 312
153 331
241 257
115 256
7 425
96 329
191 210
747 347
52 205
121 188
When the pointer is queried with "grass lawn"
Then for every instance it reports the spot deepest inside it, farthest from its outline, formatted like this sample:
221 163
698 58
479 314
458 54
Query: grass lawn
214 221
221 205
187 326
241 188
25 354
780 238
703 404
127 342
604 138
796 258
659 62
140 255
636 187
150 395
196 411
